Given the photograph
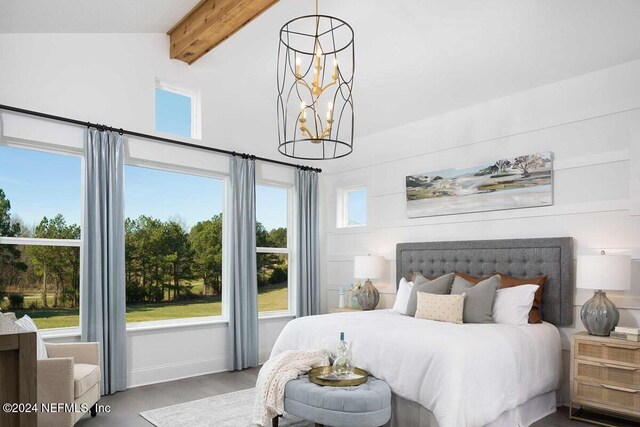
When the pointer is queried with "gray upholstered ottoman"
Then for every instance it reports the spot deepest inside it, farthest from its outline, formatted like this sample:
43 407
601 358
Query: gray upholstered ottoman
366 405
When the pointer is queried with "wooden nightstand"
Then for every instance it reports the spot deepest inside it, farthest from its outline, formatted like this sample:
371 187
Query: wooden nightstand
343 310
605 377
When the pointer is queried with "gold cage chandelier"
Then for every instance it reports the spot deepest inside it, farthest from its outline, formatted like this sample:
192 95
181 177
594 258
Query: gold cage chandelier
316 63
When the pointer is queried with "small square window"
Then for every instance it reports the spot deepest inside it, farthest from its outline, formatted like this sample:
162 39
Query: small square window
352 207
177 111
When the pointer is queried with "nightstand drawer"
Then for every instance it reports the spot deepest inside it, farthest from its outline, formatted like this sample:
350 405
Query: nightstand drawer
609 373
607 352
605 395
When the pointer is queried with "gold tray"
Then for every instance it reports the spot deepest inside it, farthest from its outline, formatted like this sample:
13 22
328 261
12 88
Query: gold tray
317 376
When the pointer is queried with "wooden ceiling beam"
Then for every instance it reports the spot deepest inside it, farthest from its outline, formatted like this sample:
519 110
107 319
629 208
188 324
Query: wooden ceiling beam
210 23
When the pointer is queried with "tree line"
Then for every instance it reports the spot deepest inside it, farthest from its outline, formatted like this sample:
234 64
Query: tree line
164 261
56 270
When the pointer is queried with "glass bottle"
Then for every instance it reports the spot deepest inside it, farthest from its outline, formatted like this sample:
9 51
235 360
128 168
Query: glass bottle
342 365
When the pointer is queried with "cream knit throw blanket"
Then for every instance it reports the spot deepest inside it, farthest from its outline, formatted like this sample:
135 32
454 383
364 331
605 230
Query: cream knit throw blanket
274 376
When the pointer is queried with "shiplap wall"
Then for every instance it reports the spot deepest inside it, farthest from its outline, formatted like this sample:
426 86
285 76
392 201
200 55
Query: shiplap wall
590 123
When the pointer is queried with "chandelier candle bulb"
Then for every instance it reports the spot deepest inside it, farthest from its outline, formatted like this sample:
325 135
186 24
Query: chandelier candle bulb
298 67
303 111
318 59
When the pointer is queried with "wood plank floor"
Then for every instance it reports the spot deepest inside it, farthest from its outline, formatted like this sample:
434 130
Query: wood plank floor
126 406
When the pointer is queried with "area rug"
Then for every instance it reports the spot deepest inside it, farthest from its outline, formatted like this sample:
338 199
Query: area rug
225 410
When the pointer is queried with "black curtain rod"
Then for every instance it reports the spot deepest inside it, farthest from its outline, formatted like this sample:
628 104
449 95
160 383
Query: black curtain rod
152 137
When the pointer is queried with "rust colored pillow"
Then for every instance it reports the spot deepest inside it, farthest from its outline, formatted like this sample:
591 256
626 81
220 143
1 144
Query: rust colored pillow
535 316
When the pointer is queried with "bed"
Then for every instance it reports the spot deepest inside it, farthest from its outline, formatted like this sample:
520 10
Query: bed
448 375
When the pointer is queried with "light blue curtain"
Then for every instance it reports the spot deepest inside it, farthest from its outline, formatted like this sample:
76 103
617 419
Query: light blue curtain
307 243
243 292
103 276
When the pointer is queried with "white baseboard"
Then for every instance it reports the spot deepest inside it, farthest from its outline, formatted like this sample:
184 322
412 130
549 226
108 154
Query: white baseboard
177 371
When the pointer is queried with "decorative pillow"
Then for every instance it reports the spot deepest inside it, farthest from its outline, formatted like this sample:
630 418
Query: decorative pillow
443 308
478 306
441 285
513 304
7 325
26 323
11 316
414 274
472 279
402 297
535 315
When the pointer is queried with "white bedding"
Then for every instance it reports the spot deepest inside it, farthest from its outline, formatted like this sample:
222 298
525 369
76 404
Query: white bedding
466 375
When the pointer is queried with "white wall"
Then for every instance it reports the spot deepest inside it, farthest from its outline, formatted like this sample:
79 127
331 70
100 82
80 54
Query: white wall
590 123
110 79
159 354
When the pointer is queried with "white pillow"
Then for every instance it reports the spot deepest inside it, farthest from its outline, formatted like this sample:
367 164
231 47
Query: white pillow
8 325
402 297
26 323
512 305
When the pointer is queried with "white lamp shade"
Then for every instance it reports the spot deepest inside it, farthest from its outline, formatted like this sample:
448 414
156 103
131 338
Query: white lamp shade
368 267
606 272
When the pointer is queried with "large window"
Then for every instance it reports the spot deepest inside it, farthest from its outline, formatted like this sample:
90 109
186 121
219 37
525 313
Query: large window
173 246
177 111
40 211
272 241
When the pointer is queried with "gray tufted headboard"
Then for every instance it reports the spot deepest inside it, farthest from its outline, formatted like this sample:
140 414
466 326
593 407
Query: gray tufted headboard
521 258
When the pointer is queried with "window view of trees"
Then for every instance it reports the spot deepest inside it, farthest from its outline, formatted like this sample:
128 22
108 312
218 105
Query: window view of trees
172 272
272 258
42 281
173 248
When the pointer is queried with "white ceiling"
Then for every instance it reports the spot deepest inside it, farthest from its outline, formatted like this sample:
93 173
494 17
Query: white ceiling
415 58
419 58
91 16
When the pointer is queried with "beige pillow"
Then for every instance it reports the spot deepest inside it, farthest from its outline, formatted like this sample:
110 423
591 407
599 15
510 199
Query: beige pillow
443 308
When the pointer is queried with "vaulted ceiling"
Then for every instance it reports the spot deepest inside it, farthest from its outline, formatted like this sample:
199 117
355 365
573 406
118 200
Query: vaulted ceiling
415 58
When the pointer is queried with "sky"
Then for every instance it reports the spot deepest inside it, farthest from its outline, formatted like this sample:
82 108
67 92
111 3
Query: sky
357 207
42 184
173 113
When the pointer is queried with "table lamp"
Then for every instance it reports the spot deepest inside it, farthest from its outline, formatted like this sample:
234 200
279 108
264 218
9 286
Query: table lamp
602 272
368 267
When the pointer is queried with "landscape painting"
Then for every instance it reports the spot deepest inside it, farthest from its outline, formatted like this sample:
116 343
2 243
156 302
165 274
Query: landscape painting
520 182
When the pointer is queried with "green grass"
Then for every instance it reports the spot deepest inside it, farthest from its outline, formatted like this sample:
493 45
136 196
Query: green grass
270 298
51 318
174 310
273 297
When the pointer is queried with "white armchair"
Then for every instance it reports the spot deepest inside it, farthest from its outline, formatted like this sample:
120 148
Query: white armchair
70 375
